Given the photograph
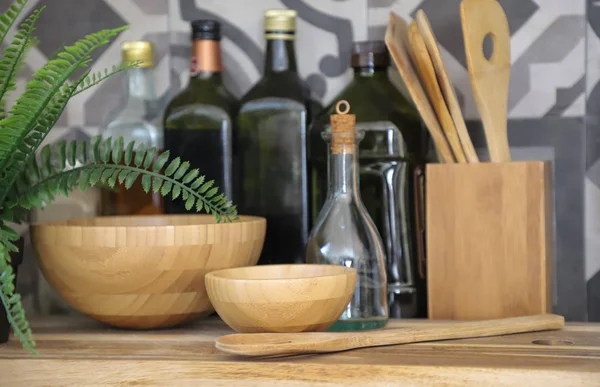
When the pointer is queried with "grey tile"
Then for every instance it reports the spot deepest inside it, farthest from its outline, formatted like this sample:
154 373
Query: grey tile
63 24
561 141
445 20
153 7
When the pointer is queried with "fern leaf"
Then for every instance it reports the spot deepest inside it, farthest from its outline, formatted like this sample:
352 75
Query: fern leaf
106 167
11 64
11 301
36 111
92 80
10 16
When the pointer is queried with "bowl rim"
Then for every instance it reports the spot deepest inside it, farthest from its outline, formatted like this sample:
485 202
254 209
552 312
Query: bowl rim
345 271
80 222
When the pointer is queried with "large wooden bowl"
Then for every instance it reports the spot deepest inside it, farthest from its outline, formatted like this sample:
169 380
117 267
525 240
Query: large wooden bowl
281 298
143 271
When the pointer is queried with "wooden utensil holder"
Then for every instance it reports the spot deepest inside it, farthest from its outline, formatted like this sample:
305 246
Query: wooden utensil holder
489 240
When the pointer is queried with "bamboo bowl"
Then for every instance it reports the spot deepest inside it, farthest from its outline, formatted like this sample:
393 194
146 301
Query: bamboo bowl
143 271
281 298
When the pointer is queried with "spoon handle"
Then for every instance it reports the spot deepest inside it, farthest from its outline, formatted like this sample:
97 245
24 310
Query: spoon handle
463 330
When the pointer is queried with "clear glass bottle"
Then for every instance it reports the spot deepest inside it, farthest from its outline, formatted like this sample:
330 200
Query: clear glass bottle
136 120
272 128
390 157
344 233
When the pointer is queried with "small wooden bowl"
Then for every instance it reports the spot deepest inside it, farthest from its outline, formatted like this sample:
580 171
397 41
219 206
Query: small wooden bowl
281 298
143 271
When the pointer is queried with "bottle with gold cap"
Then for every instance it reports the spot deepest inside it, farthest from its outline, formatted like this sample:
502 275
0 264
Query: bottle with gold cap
198 121
344 233
136 119
272 124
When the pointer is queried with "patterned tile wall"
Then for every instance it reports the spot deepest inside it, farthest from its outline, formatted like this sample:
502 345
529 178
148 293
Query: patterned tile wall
555 59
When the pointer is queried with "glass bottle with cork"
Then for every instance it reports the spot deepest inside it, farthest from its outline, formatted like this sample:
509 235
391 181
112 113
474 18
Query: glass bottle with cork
344 233
136 120
198 121
390 157
273 121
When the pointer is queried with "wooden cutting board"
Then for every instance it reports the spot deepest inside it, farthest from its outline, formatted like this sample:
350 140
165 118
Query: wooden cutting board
80 352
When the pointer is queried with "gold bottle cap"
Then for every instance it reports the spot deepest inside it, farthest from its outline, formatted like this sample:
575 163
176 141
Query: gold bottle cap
343 137
138 51
280 23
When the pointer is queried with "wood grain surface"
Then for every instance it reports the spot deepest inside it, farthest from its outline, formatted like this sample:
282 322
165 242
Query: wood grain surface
145 271
489 240
80 353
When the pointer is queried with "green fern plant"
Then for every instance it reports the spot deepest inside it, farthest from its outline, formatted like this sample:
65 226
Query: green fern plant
27 181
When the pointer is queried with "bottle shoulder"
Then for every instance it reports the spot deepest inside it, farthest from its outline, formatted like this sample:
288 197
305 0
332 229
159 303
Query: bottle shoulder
209 94
286 85
357 232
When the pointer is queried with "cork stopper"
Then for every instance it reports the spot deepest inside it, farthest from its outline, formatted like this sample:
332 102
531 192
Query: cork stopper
343 138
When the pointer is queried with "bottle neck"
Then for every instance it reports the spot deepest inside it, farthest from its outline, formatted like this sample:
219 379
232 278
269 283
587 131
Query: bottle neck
206 60
280 56
343 174
374 73
141 84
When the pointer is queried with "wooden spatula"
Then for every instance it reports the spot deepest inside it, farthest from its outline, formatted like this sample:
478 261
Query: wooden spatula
426 70
489 78
446 86
396 39
261 344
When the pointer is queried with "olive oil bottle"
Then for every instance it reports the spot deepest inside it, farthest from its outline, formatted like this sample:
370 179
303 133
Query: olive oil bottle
198 121
273 121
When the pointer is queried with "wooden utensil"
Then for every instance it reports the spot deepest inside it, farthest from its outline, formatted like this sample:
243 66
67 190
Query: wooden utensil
281 298
489 78
260 344
396 39
448 90
427 72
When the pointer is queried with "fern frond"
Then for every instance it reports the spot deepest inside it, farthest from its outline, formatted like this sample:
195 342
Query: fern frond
14 55
10 16
11 301
35 112
92 80
112 163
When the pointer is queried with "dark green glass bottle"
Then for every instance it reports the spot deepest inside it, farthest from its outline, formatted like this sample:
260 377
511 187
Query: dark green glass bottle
273 121
395 144
199 121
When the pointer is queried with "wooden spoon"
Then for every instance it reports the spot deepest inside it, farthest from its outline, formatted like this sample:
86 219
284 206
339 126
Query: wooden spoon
396 39
427 72
489 78
447 88
261 344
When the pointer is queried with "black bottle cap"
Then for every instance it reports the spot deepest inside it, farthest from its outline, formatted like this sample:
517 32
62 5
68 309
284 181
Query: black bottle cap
206 30
371 53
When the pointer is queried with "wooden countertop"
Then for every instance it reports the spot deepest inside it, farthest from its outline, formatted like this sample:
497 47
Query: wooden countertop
80 352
